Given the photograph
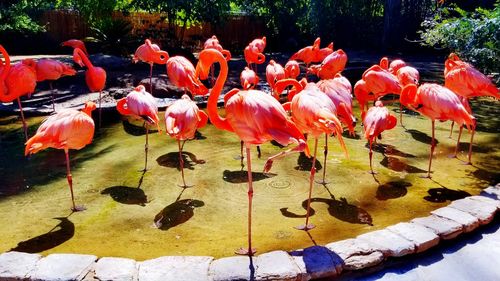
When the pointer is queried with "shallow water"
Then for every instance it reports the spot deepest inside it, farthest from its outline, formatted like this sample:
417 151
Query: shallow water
210 217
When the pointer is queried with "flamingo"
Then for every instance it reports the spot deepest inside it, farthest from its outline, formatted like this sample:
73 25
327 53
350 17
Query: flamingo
181 73
466 81
49 69
213 43
151 54
308 54
395 65
248 79
437 103
141 105
66 129
314 114
376 120
334 63
255 117
274 73
324 52
75 43
95 76
253 53
16 81
375 83
182 119
292 69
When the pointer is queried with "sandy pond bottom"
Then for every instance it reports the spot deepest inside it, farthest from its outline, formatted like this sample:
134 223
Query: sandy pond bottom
210 217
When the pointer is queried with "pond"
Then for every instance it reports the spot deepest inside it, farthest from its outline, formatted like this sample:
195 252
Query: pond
210 218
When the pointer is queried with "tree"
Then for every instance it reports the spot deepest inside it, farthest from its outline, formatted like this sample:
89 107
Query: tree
18 15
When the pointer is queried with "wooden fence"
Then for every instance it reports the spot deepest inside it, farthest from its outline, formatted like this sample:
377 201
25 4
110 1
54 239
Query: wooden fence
236 32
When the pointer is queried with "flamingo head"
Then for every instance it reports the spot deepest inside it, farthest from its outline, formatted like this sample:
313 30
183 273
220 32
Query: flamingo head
453 57
316 43
384 63
408 95
89 107
140 89
29 63
330 46
205 60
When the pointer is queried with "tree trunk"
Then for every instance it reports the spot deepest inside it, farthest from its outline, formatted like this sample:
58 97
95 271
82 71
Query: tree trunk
392 23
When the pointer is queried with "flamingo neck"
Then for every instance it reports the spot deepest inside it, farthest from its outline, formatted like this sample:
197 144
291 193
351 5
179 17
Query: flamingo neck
213 114
84 58
5 63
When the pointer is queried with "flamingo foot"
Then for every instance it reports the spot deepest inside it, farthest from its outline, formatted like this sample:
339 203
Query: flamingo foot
238 157
78 208
305 227
466 163
245 251
185 185
451 156
372 172
322 181
428 176
143 170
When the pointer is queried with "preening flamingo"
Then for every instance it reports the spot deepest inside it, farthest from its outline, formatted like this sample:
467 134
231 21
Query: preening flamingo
253 53
49 69
292 69
75 43
66 129
274 73
324 52
314 114
213 43
255 117
16 81
376 120
466 81
308 54
437 103
95 76
248 79
141 105
181 73
151 54
334 63
182 119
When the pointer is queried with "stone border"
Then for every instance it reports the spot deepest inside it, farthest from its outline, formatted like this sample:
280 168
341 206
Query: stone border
361 253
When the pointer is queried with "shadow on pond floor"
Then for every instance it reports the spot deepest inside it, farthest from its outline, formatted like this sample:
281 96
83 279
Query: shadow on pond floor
242 176
61 233
135 130
443 194
171 160
128 195
305 164
421 137
392 190
176 213
398 165
387 149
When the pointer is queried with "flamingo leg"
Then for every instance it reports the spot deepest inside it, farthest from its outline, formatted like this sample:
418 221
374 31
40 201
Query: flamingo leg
433 145
458 142
259 153
181 163
451 129
151 78
401 114
325 153
371 156
307 226
146 148
100 109
74 208
25 127
470 145
249 251
52 92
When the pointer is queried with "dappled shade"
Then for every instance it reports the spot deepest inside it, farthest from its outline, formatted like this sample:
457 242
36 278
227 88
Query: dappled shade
392 190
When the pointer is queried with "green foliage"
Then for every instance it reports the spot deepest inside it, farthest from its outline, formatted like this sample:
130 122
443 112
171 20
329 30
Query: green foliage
17 15
113 35
474 36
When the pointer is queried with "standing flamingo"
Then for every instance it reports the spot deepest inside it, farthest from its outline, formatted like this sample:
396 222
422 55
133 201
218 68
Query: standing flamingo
66 129
330 66
308 54
181 73
314 114
182 119
292 69
376 120
255 117
16 81
437 103
274 73
466 81
248 79
141 105
324 52
95 76
48 69
75 43
213 43
151 54
253 53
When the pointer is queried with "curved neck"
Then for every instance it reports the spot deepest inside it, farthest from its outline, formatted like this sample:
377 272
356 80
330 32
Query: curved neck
213 114
84 57
283 83
5 63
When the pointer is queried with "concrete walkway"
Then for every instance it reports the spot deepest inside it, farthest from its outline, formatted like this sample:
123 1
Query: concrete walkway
475 256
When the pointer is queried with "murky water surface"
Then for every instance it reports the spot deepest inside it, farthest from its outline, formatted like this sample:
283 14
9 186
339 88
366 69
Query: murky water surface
209 218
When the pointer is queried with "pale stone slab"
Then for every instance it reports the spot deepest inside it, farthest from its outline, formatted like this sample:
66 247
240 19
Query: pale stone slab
389 243
17 265
480 209
61 267
446 229
116 269
358 262
230 268
356 253
422 237
468 221
276 265
492 192
486 200
320 262
299 261
188 268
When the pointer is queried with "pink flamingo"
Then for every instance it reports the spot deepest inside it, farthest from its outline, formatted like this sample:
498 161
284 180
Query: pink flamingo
182 119
324 52
141 105
48 69
274 73
255 117
253 53
292 69
314 114
330 66
467 82
437 103
308 54
75 43
151 54
181 73
376 120
395 65
248 79
66 129
213 43
95 76
16 81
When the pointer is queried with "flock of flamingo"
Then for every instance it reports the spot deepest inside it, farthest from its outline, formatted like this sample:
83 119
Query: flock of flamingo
312 109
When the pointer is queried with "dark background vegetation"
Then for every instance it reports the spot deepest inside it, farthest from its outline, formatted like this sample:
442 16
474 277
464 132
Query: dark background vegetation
468 27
